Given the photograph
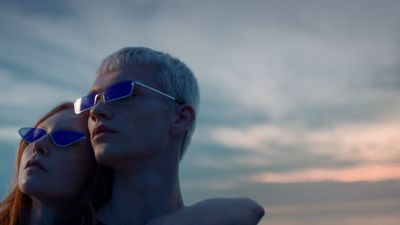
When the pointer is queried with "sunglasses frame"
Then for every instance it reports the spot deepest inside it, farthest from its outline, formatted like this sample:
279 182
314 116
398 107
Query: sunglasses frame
51 136
100 96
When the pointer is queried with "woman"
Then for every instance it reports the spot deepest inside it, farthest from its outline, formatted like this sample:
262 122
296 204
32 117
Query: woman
59 182
55 173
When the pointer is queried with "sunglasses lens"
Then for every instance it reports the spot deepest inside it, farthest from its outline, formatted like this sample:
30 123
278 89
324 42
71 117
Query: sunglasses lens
64 138
85 103
118 91
31 134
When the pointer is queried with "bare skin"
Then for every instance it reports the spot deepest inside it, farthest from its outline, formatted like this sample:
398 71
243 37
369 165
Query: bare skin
56 187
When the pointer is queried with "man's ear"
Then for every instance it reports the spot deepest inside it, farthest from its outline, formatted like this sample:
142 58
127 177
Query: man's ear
185 116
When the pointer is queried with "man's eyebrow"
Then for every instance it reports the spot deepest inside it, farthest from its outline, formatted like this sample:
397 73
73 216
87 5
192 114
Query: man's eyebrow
94 91
97 90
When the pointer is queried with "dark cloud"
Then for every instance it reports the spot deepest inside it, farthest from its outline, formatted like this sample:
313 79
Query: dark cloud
45 8
23 74
308 193
22 114
216 162
327 114
228 112
15 115
387 79
308 65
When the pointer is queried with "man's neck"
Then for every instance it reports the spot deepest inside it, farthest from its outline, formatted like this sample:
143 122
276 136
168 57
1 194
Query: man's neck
142 193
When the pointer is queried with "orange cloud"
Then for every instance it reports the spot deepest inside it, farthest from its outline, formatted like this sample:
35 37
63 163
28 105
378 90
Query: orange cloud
358 142
353 174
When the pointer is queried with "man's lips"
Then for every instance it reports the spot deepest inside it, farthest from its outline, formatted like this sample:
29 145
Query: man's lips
35 163
101 129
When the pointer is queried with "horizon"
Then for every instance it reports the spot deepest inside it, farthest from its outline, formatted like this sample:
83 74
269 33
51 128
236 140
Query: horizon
299 100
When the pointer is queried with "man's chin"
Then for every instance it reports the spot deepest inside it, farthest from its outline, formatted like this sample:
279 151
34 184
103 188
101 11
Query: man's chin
102 153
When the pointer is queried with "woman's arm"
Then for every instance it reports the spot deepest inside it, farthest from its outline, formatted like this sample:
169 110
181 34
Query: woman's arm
215 211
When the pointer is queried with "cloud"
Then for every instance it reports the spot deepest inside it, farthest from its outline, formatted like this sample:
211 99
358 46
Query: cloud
9 134
366 142
270 153
286 86
370 173
292 92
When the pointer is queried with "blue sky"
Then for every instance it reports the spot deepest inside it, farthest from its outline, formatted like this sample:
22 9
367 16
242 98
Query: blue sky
299 99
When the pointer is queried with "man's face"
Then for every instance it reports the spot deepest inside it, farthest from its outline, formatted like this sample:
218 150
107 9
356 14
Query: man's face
130 128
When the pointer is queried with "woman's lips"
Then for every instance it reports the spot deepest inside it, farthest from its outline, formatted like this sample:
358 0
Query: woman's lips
35 164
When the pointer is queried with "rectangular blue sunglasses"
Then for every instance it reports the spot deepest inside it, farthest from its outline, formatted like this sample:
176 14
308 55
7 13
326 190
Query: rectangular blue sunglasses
115 92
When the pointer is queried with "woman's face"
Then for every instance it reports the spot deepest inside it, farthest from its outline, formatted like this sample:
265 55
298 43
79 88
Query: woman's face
58 173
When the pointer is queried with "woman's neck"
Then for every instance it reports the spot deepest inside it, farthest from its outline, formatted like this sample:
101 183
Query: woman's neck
53 213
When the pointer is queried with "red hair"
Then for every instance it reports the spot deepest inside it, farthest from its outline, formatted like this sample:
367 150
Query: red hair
16 206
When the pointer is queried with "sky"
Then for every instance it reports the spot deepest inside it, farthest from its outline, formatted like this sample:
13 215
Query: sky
299 99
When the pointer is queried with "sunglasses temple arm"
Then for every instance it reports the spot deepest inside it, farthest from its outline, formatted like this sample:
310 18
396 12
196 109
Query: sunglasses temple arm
155 90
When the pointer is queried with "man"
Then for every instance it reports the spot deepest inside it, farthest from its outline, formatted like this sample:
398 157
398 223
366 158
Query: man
142 112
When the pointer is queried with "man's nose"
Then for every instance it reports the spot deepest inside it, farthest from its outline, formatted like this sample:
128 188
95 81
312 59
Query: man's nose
100 110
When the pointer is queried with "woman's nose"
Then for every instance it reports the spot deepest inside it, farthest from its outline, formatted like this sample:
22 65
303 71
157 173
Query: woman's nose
41 146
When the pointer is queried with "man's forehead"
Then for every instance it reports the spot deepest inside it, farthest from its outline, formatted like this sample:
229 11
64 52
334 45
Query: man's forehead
104 80
142 73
